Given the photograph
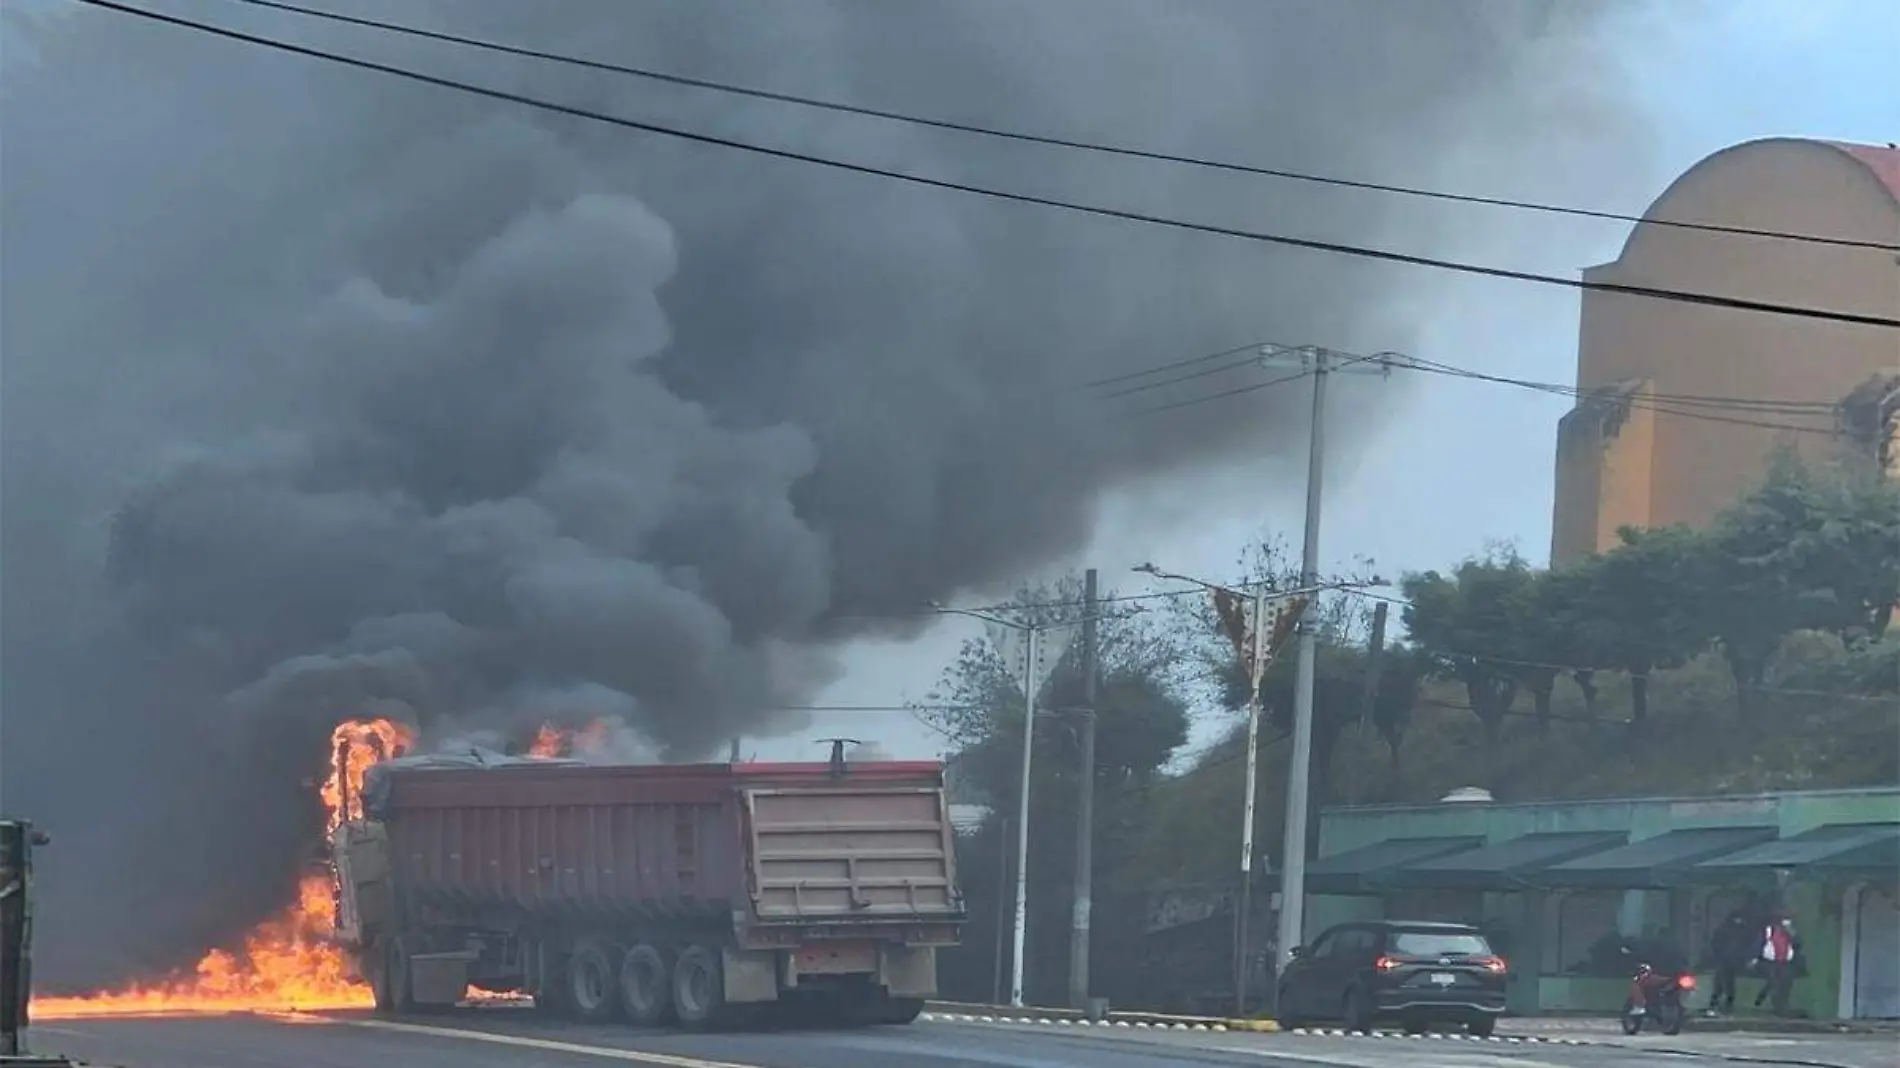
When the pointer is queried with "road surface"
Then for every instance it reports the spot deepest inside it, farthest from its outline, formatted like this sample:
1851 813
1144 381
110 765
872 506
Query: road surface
517 1039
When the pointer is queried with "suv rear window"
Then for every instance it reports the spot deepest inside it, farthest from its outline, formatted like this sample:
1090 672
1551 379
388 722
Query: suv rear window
1439 944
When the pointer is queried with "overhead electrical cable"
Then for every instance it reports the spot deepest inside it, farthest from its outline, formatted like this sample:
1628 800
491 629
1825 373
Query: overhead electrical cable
1262 237
1691 406
842 107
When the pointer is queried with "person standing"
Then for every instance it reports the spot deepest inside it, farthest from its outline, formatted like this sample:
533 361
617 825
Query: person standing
1731 947
1780 954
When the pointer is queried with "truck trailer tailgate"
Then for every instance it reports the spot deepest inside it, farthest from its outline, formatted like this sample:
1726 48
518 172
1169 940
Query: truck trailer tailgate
851 854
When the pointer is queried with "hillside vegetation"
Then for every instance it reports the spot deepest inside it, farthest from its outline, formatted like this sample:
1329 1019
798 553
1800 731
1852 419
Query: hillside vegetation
1754 655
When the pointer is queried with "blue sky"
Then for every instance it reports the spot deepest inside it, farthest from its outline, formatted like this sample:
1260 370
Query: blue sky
1463 464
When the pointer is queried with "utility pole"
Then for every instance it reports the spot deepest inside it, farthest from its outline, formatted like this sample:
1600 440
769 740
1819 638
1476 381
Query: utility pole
1022 823
1085 830
1035 673
1243 908
1002 892
1293 863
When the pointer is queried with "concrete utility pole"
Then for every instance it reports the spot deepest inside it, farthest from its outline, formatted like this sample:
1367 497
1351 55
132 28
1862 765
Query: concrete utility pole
1021 925
1002 892
1293 863
1085 830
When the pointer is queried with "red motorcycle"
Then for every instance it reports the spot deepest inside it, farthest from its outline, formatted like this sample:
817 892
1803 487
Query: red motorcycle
1656 996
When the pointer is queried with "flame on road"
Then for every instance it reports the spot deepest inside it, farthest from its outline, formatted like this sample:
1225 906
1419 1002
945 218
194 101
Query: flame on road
288 962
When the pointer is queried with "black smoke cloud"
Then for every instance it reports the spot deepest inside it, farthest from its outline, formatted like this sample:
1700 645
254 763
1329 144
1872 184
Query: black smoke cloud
326 393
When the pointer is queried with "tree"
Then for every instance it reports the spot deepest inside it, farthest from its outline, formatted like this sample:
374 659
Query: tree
1804 551
1468 624
1401 677
1639 608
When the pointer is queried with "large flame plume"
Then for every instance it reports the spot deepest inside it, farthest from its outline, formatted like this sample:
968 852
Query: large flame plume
289 962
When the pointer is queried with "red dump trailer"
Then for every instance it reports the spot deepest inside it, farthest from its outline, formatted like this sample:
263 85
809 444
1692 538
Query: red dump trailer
690 894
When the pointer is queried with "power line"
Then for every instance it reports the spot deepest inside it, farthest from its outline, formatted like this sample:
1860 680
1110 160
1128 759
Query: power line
1263 237
1637 401
1692 406
1222 395
1763 405
1252 360
1236 391
1042 139
1766 404
1112 379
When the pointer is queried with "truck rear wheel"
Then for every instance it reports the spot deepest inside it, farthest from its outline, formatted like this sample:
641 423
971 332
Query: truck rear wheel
646 987
902 1010
593 981
699 993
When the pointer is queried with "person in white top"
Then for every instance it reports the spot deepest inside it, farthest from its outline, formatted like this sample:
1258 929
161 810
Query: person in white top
1780 950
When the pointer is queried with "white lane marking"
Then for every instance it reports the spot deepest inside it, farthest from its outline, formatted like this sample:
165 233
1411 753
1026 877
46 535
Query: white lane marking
548 1045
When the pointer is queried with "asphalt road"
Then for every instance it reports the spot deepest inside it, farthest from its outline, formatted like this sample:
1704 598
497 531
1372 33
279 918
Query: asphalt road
515 1039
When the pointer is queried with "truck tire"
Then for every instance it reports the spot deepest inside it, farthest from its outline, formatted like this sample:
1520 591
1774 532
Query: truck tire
375 967
646 987
699 989
593 981
389 979
902 1010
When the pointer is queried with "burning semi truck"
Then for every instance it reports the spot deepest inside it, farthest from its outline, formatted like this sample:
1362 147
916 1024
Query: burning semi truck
700 895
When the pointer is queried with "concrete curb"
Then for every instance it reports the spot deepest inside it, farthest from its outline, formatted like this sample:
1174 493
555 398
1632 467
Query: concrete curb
958 1012
1513 1040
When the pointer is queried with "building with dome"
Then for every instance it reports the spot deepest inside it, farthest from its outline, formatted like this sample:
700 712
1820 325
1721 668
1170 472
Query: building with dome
1681 406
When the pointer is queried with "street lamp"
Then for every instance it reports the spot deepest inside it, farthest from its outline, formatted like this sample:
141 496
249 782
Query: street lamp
1031 632
1254 670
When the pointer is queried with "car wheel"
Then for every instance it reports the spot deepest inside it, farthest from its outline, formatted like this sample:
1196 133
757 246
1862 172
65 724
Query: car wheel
1358 1010
1282 1014
1483 1026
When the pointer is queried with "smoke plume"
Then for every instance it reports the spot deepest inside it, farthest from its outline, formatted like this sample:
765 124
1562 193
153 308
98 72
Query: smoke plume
327 393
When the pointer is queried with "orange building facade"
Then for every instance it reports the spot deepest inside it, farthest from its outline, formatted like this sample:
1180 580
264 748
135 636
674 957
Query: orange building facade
1681 405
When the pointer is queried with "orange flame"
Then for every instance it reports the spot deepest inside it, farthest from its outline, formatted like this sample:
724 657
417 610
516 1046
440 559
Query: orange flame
288 962
551 742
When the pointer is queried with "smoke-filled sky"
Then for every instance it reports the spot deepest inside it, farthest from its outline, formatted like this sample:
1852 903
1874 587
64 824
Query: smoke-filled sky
328 393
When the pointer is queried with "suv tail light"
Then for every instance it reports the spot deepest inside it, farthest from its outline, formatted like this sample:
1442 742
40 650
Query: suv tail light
1385 964
1495 965
1686 981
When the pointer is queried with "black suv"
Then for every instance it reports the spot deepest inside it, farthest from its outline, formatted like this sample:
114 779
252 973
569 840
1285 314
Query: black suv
1419 975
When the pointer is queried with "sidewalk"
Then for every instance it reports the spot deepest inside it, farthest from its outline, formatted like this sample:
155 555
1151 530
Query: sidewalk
1743 1024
